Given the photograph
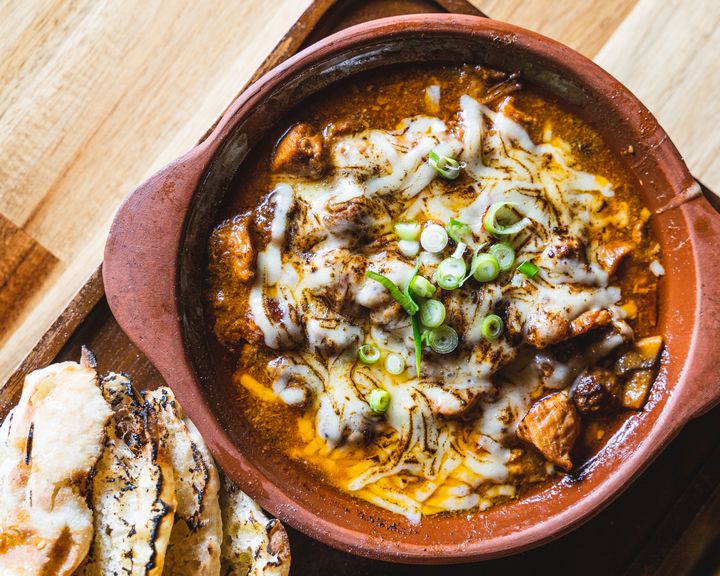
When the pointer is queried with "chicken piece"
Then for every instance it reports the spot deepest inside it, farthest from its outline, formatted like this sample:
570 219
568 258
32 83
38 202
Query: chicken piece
335 276
343 126
552 425
611 254
545 327
355 217
231 250
590 320
300 152
596 391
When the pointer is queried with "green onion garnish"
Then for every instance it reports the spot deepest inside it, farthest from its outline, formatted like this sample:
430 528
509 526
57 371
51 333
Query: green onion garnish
407 230
458 230
491 326
502 219
368 354
504 254
444 165
404 300
486 267
379 401
434 238
421 287
443 339
395 364
450 273
432 313
528 268
417 342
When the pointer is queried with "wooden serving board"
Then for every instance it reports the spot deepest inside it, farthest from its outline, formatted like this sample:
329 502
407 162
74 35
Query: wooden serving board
667 522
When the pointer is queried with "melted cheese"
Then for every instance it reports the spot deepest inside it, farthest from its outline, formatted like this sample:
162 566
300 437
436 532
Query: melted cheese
420 462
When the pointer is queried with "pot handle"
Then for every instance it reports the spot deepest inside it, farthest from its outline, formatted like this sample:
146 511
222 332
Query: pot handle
702 391
140 262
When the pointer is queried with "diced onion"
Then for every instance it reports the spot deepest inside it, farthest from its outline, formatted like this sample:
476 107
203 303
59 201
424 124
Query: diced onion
434 238
394 363
409 248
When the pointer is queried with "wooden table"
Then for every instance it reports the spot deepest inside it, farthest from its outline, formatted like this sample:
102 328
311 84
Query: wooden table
96 96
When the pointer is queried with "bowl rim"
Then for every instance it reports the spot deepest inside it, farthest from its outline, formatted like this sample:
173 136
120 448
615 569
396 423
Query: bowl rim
188 171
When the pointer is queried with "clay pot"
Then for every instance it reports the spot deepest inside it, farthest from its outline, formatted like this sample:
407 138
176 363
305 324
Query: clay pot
156 255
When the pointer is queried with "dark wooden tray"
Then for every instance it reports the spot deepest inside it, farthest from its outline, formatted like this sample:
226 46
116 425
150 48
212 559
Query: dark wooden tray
667 522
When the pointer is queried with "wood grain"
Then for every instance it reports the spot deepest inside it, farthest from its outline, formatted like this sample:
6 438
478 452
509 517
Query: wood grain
665 523
96 96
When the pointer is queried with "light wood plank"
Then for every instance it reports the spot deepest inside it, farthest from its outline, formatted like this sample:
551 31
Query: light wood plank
668 54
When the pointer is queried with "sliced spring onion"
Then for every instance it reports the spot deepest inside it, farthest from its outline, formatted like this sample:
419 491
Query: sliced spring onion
444 165
443 339
502 219
394 363
450 273
421 287
379 401
432 313
434 238
403 299
486 267
457 230
528 268
491 326
417 342
504 254
368 354
409 248
407 230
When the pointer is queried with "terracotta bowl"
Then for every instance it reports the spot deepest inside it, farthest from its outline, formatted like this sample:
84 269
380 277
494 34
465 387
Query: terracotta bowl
156 256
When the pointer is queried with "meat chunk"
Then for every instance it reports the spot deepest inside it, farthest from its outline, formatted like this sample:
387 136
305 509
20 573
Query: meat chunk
300 152
590 320
552 425
545 327
231 250
596 391
351 217
336 274
611 254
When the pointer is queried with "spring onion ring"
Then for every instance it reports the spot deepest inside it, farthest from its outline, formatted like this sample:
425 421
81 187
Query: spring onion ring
450 273
503 219
504 254
444 165
407 230
491 326
486 267
379 401
434 238
421 287
368 354
457 230
395 364
432 313
443 339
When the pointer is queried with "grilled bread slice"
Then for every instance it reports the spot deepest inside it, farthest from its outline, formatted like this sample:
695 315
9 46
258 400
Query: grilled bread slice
194 548
133 489
253 544
45 523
